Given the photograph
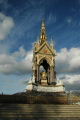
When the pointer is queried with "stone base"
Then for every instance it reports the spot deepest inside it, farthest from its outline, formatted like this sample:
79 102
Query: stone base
55 88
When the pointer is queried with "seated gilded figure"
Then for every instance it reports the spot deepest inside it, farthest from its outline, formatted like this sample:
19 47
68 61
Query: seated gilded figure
43 75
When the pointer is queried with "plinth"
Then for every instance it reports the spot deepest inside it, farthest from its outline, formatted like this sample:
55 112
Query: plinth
44 82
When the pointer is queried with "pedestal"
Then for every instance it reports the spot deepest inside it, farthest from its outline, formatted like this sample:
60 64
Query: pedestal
44 82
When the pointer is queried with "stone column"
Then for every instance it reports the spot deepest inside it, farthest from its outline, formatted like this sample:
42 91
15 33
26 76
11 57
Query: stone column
48 73
51 76
37 73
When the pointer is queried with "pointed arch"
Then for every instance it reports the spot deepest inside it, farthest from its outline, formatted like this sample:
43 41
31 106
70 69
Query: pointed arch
45 58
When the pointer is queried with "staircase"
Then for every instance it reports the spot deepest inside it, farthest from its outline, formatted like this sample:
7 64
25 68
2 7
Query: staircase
39 112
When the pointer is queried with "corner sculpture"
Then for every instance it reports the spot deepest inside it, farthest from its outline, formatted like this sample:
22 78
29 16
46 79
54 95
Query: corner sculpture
44 74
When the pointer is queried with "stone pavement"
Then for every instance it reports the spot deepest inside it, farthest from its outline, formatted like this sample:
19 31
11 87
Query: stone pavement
39 112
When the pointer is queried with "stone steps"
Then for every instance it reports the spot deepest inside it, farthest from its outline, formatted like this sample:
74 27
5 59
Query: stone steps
37 111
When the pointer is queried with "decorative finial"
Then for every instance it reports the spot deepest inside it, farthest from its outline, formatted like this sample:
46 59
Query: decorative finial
43 36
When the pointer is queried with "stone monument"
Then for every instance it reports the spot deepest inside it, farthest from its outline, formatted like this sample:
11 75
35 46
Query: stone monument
44 74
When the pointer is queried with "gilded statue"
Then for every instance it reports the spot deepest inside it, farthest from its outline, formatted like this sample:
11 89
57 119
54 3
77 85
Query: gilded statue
44 75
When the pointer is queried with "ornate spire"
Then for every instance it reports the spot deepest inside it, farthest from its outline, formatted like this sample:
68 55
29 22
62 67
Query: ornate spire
43 36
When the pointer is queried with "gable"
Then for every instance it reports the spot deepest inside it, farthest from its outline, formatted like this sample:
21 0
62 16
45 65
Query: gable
45 49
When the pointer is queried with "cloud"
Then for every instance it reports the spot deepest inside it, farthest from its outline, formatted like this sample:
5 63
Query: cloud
70 78
71 81
51 19
4 5
69 20
6 25
68 61
19 62
67 65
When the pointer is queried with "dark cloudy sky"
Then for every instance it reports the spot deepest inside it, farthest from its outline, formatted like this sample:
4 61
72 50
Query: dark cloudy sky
20 22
